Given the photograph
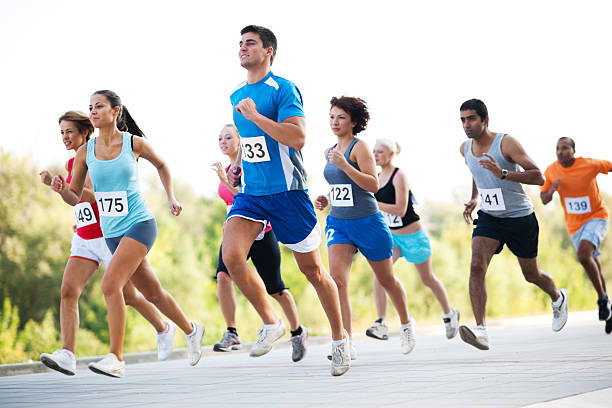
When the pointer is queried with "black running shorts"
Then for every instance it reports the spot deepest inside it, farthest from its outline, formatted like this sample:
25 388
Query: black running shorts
520 233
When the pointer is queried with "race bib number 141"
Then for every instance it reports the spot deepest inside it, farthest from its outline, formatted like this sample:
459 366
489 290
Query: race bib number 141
491 199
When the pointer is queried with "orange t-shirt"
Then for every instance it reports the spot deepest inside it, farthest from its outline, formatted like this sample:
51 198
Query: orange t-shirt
578 189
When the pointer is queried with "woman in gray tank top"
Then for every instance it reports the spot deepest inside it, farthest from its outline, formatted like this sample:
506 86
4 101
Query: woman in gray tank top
354 222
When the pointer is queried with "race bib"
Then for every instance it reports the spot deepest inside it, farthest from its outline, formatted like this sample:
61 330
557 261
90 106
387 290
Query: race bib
578 205
341 195
112 203
392 220
254 149
491 199
84 215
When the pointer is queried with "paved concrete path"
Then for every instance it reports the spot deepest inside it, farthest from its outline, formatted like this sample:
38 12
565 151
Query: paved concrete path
528 364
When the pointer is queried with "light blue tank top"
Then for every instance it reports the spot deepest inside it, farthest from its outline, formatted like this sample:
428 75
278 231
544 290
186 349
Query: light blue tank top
348 200
498 198
115 184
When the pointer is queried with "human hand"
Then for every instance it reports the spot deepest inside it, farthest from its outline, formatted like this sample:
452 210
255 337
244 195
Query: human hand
334 156
175 206
467 212
233 175
491 165
45 177
321 202
58 184
248 108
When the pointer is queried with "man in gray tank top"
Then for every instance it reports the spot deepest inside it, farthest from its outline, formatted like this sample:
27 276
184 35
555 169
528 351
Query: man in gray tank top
499 166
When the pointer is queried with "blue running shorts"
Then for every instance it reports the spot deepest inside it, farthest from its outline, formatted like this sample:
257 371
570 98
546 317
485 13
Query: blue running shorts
370 235
291 214
415 247
594 231
144 232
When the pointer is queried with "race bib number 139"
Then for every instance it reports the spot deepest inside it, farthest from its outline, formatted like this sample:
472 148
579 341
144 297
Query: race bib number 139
491 199
255 149
112 203
578 205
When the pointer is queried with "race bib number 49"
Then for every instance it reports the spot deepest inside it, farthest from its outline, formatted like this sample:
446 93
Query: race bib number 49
578 205
491 199
112 203
84 215
255 149
341 195
392 220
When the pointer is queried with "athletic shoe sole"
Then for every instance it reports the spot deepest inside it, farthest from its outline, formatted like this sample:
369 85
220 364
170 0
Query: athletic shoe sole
468 336
372 335
609 326
54 366
222 349
98 371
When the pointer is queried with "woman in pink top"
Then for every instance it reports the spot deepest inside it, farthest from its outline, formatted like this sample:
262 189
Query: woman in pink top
265 254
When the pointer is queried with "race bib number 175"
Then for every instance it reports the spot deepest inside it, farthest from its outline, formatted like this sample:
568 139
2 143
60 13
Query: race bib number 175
112 203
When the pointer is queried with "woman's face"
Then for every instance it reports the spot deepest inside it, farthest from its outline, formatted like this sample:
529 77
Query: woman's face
101 113
71 137
340 122
382 154
228 141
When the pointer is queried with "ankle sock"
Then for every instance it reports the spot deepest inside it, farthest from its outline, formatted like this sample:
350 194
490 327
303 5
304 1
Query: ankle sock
194 330
379 320
559 300
232 330
166 329
297 331
272 326
70 353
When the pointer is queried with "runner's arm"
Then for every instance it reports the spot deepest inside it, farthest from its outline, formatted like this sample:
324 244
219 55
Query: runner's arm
512 150
71 193
402 190
471 204
365 177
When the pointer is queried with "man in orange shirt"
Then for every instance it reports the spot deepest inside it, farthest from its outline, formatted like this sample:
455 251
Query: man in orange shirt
586 215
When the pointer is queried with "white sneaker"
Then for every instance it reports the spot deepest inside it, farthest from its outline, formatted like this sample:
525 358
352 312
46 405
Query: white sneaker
60 361
352 351
378 330
407 337
560 312
109 365
452 323
341 357
477 337
265 338
165 342
194 344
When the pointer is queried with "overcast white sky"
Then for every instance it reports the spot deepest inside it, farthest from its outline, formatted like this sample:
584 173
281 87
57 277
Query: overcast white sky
542 67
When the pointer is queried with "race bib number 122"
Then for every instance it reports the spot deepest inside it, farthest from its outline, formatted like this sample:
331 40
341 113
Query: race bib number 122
341 195
112 203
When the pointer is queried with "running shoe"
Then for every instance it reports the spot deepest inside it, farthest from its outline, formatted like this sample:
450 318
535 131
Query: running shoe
109 365
378 330
604 308
194 344
477 337
341 358
452 323
298 343
609 325
352 351
560 312
230 341
59 360
165 342
265 338
407 337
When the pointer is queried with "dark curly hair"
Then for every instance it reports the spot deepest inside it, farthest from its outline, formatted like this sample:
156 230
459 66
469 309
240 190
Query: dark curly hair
357 110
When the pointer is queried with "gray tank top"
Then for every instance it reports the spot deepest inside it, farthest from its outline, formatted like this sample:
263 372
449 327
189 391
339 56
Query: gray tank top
498 198
348 200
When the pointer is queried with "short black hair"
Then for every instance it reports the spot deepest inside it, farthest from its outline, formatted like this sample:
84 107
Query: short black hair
477 105
570 140
267 37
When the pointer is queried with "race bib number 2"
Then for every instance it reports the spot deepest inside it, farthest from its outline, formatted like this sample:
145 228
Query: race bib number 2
578 205
392 220
341 195
112 203
84 215
491 199
255 149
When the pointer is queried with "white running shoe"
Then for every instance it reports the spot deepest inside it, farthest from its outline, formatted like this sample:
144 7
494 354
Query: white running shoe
352 350
560 312
109 365
194 344
60 361
341 357
477 337
407 337
378 330
165 342
452 323
265 338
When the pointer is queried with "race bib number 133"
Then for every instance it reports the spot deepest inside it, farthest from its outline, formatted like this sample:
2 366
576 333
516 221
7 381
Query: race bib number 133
255 149
112 203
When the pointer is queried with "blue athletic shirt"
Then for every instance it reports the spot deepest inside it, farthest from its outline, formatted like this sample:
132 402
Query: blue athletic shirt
269 167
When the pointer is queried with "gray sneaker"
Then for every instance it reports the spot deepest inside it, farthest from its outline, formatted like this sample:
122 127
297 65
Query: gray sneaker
378 330
230 341
452 324
298 343
560 312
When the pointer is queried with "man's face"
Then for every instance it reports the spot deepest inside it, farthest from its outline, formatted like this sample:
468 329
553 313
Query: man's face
473 125
565 152
251 52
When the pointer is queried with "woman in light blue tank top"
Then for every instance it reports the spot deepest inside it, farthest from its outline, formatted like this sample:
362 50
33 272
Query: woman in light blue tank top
128 226
354 222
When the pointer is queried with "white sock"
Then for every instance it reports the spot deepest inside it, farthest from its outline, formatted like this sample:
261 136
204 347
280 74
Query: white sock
194 330
447 315
272 326
336 343
557 303
405 325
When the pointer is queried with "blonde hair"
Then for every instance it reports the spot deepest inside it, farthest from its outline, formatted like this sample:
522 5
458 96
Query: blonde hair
391 145
231 126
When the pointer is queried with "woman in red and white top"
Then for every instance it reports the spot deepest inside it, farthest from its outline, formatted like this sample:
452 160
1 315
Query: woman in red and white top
88 250
265 254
